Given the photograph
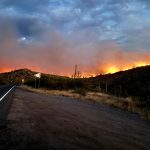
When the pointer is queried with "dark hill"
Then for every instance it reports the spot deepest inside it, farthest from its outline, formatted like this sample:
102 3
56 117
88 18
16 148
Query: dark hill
134 82
47 80
16 76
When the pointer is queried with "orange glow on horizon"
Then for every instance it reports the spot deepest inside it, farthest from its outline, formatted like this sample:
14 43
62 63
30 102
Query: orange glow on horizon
112 70
5 70
107 69
140 64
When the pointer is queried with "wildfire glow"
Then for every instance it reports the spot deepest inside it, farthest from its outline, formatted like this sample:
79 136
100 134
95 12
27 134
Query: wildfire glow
112 70
105 70
140 64
5 70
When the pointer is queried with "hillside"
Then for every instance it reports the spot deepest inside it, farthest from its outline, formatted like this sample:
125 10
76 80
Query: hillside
47 80
134 82
16 76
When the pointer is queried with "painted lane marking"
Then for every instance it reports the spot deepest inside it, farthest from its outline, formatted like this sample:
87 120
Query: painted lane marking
6 94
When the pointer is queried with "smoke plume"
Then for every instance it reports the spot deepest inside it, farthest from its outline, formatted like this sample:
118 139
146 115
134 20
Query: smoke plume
54 53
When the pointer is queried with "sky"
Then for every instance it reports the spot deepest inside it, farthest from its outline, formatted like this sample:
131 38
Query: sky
51 36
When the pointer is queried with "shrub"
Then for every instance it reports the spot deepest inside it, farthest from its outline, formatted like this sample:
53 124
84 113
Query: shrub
80 91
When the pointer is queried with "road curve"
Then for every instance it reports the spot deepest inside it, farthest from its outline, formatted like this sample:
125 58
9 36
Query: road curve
38 121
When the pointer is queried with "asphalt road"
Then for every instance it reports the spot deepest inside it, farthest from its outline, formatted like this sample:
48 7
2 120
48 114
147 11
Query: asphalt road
6 95
4 89
38 121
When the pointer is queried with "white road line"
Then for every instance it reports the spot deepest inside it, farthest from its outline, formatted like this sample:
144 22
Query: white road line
6 94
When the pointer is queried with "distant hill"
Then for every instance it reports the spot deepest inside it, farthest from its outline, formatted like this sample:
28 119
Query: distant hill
47 80
17 76
134 82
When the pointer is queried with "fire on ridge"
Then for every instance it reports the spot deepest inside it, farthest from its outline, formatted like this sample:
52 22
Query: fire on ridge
107 69
114 68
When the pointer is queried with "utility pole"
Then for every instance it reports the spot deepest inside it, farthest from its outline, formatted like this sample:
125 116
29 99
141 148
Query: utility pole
106 87
38 75
35 82
75 71
99 87
120 90
39 83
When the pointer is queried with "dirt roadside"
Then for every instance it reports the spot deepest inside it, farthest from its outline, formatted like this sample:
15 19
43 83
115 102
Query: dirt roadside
129 104
40 121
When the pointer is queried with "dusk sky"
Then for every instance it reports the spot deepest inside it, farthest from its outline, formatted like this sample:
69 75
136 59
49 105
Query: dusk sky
53 35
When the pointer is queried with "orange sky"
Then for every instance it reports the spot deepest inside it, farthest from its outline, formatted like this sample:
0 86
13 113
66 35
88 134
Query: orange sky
108 68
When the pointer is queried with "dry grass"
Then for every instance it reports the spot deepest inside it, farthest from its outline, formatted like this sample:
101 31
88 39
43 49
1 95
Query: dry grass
51 92
124 103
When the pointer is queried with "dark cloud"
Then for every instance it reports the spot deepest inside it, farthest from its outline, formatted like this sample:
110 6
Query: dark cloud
25 5
33 16
29 27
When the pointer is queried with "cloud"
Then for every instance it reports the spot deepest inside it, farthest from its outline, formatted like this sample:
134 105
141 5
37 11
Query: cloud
68 16
58 55
62 33
27 6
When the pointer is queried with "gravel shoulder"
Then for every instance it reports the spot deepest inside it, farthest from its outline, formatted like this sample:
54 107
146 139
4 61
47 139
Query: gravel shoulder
42 121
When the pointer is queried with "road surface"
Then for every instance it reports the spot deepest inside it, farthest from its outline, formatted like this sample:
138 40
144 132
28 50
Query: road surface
6 95
4 89
38 121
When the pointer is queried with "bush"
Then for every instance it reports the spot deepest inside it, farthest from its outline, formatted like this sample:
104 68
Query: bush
80 91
